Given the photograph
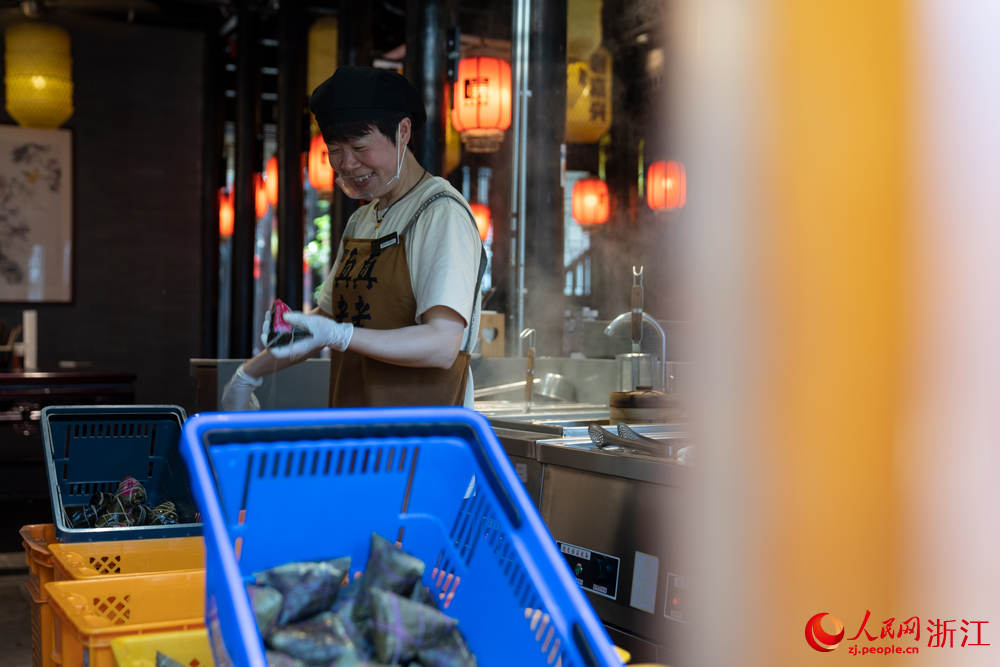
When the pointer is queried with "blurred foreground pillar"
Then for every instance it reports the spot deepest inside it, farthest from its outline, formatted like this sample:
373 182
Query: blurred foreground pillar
951 434
843 189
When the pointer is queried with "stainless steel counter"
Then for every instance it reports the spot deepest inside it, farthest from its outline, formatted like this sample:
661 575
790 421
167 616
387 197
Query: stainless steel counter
581 454
617 519
615 514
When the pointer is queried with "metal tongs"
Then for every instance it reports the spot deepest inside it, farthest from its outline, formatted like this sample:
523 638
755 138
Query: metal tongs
644 445
626 432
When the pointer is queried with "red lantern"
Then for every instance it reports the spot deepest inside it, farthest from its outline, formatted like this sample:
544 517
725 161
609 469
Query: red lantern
481 212
320 171
591 204
226 214
271 180
666 185
259 195
481 102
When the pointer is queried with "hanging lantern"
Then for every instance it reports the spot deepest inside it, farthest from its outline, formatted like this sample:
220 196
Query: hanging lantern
322 56
226 214
452 139
591 204
583 28
481 212
271 180
666 185
39 75
259 196
320 171
481 106
588 98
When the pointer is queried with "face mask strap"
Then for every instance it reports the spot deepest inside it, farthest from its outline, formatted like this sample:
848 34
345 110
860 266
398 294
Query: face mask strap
400 153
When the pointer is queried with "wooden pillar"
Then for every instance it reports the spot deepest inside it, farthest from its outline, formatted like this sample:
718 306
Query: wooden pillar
247 132
211 156
793 118
543 216
292 124
426 61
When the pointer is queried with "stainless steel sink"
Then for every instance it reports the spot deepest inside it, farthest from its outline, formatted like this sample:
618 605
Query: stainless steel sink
537 408
551 418
554 427
562 419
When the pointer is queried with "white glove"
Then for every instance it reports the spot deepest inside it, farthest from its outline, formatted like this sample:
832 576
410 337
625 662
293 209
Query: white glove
238 394
264 329
326 332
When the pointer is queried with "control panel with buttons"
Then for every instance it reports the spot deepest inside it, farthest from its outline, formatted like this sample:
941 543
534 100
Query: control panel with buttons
594 571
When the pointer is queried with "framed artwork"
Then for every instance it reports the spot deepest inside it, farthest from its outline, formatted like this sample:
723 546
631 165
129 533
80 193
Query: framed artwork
36 215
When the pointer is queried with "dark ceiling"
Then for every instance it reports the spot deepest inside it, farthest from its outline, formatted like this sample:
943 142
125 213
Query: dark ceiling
388 16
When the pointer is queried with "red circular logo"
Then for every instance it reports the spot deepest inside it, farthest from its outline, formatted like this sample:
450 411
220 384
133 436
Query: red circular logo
820 639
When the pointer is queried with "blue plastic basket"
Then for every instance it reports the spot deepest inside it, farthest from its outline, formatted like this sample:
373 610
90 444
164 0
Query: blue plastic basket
283 486
91 448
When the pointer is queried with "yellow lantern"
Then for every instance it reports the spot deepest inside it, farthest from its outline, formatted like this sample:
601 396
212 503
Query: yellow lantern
588 98
322 56
452 139
39 76
583 28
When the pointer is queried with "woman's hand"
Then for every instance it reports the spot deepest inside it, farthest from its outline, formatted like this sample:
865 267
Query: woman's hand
324 332
238 394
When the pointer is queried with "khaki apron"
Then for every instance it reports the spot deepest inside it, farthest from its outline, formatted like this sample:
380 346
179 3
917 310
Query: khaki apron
372 289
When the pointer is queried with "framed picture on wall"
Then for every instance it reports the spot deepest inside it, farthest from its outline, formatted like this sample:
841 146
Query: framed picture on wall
36 215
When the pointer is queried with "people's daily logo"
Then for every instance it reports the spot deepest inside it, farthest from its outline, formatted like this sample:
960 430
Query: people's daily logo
820 639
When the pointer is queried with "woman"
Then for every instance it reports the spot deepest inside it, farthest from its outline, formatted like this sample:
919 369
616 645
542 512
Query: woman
400 310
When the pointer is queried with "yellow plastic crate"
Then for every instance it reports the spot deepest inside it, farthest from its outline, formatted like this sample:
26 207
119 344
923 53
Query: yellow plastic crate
41 630
88 614
189 648
36 539
92 560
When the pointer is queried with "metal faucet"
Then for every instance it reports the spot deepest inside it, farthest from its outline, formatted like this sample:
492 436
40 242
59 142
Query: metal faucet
627 317
529 372
637 316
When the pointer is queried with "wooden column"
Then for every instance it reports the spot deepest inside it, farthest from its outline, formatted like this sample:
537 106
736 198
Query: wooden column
546 128
292 124
426 61
247 131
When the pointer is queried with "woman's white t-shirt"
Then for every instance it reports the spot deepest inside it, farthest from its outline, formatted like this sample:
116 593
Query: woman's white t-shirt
442 252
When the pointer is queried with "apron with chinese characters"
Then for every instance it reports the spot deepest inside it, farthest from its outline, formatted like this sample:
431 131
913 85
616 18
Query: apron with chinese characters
372 289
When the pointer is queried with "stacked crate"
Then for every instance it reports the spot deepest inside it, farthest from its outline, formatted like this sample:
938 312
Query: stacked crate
91 586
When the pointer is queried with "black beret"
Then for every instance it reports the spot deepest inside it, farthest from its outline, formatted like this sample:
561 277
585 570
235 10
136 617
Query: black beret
356 94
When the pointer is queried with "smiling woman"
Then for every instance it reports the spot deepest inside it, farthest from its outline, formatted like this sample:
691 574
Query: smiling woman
401 307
